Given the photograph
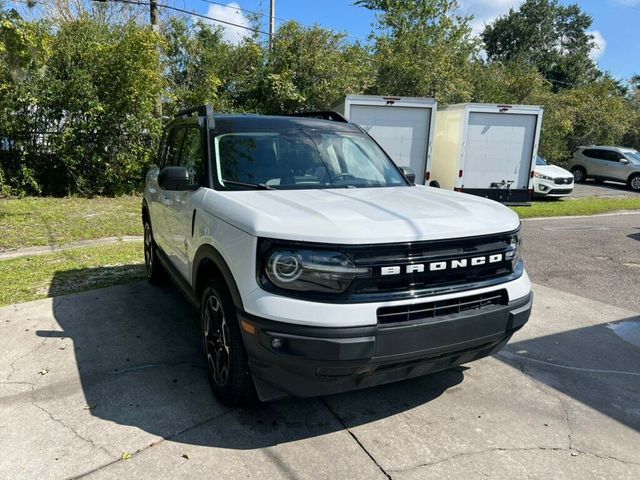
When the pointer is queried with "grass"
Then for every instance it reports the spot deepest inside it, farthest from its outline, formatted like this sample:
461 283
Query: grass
34 221
579 206
31 278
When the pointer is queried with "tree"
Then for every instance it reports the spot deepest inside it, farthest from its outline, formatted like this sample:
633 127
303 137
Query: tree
195 60
423 48
547 35
311 69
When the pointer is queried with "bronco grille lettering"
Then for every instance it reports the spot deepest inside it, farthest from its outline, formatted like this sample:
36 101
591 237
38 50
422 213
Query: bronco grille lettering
442 265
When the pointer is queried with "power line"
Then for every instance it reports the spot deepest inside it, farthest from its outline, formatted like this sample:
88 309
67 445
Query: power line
281 19
188 12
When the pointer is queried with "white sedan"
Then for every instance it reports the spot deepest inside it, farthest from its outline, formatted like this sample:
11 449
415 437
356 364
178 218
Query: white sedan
551 180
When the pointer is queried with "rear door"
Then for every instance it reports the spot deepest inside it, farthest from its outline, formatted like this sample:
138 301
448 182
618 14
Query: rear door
403 132
597 161
499 148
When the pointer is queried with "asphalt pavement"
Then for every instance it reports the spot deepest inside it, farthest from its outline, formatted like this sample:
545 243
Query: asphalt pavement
596 257
603 189
110 384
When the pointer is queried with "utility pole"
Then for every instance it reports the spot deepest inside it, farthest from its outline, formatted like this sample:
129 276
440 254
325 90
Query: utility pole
153 11
272 22
155 24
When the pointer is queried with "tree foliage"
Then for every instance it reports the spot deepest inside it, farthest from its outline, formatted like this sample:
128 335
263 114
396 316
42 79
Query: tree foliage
79 88
550 36
422 48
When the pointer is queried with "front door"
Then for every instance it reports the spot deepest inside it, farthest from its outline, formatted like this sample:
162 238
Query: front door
183 204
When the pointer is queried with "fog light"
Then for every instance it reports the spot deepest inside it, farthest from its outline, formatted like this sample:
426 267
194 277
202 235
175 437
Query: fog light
277 342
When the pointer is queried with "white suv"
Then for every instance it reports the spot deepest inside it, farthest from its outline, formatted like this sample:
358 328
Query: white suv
317 266
607 163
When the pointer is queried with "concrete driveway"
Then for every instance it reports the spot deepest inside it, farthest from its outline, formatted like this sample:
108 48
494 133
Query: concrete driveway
91 378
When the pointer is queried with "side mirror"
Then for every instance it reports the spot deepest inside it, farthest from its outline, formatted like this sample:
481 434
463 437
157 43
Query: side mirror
624 161
176 178
409 174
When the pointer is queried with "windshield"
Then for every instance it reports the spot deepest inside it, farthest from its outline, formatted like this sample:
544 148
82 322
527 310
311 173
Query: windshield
633 155
302 159
540 160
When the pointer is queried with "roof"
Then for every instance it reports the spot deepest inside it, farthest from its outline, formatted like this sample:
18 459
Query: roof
607 147
256 122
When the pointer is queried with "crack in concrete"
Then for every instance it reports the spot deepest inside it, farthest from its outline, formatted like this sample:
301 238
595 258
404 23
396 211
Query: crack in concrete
355 438
505 449
155 444
33 350
571 443
73 430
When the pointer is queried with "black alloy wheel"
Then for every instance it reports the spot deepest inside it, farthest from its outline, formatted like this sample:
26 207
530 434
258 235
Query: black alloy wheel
223 347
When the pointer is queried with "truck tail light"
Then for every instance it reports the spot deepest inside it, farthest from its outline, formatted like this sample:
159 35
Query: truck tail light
532 173
427 176
460 172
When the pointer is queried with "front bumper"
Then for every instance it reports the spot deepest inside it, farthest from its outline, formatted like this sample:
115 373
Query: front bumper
547 188
315 361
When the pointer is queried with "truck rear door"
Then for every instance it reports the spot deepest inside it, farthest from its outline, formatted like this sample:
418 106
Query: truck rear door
403 132
499 149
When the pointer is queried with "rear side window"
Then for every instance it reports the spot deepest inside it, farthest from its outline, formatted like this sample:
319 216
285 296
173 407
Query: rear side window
597 154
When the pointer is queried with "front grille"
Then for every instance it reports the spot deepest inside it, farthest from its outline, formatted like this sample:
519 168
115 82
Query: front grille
424 311
563 181
560 191
377 257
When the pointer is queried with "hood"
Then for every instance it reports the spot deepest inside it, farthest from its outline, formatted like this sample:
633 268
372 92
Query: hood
362 215
553 171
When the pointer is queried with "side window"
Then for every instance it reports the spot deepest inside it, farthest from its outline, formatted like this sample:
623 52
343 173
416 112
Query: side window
612 156
191 154
597 154
173 147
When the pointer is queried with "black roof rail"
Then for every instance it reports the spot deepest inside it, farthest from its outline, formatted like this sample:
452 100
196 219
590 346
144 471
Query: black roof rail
201 111
322 115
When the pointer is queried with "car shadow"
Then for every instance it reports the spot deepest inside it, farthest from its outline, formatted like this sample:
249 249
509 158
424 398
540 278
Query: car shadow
598 365
139 362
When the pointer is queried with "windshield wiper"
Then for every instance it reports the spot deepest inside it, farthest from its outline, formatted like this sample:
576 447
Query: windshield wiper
256 186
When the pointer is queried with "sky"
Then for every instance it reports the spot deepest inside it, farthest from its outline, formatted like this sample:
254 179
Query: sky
615 22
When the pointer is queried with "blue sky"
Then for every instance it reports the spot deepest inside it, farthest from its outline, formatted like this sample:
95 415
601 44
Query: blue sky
615 22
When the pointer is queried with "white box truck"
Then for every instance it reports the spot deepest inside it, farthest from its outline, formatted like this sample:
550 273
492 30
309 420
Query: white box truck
486 150
403 126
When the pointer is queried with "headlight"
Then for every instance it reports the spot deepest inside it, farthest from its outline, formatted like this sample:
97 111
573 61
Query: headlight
543 177
515 245
311 270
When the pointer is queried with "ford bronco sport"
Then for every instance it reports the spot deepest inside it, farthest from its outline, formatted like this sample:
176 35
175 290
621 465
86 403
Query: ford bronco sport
317 266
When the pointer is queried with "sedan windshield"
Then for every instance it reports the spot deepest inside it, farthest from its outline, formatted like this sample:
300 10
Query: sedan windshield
540 161
302 159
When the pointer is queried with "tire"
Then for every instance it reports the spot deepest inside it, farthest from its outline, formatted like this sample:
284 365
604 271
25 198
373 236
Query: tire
224 354
634 182
434 184
579 174
155 271
598 180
